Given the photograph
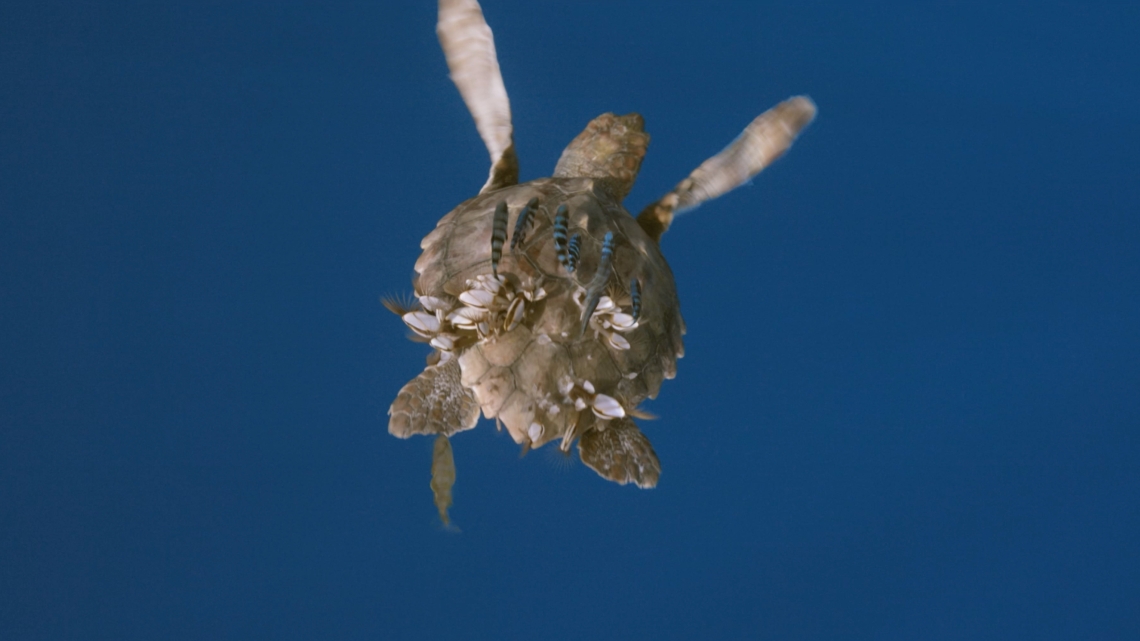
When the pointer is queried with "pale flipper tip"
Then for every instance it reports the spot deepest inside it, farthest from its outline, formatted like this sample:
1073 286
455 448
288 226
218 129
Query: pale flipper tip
764 140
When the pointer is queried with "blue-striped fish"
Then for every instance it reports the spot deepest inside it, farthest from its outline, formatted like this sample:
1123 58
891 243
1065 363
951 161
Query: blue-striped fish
573 250
561 221
498 236
635 297
526 216
598 282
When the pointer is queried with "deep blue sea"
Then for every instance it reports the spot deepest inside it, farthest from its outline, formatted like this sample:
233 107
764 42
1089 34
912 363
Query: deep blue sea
909 406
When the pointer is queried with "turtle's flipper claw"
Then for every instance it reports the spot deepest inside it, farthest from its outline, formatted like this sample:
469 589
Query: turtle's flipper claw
619 452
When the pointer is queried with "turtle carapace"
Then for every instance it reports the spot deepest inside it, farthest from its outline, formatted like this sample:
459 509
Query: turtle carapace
548 306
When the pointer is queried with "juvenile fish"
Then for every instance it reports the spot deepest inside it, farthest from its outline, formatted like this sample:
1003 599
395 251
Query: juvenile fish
561 247
526 217
635 297
498 236
598 282
573 249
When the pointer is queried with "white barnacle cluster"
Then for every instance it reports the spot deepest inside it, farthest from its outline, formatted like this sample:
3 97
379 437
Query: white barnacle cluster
488 307
431 323
608 321
582 395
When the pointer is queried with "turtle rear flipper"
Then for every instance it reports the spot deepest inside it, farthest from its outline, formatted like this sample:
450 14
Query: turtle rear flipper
619 452
435 402
763 141
470 50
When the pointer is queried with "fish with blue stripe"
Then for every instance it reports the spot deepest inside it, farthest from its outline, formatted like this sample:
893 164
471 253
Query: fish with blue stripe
526 217
561 247
598 282
574 249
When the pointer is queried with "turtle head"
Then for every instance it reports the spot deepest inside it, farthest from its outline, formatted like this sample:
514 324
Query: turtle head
610 148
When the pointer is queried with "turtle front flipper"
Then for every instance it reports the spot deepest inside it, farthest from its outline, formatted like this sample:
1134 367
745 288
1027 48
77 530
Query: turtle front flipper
435 402
761 143
470 51
619 452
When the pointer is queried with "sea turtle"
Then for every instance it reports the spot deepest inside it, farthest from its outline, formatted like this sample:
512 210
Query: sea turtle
549 307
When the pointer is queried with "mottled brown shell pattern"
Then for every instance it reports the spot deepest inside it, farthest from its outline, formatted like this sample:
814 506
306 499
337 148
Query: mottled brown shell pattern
538 377
563 335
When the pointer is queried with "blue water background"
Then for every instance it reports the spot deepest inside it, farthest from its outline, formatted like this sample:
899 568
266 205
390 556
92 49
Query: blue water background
910 401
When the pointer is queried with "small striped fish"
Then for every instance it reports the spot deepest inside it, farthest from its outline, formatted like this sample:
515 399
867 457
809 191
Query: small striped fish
573 250
498 236
635 297
561 221
598 282
526 217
